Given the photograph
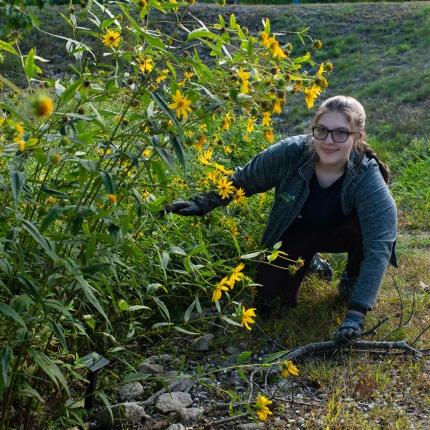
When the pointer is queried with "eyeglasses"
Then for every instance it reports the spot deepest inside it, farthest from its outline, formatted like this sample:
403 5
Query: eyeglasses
339 135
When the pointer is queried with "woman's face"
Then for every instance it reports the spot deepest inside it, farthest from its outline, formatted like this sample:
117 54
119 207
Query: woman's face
334 149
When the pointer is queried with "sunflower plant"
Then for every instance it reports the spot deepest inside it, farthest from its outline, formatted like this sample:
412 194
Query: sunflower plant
88 259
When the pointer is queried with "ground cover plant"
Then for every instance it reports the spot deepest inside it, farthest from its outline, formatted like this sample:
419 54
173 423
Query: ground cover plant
90 261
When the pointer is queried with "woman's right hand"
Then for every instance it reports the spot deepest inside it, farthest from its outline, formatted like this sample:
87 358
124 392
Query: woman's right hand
183 207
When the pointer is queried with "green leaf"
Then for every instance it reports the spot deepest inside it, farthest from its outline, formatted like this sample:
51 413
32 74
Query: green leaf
108 182
9 312
122 305
179 149
163 308
49 367
134 308
187 313
251 255
59 333
42 241
107 404
182 330
29 65
17 182
28 391
275 356
243 357
49 218
233 23
53 192
5 359
163 105
139 202
4 46
70 91
87 289
230 321
303 59
151 40
200 33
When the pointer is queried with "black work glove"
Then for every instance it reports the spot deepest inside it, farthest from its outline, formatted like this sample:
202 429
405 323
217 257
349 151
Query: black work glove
351 327
184 207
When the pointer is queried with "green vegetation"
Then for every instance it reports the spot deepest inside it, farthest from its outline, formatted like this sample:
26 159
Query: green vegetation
89 262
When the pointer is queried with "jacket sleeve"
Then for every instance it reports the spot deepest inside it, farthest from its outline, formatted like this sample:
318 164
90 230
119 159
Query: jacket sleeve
260 174
377 216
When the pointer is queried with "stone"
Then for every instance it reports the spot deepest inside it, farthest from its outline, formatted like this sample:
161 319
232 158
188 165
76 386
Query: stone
123 413
162 359
151 368
190 415
173 402
176 427
202 343
250 426
131 391
176 381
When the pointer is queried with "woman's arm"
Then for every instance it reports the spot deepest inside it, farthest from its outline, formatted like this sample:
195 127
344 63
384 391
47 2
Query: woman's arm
377 216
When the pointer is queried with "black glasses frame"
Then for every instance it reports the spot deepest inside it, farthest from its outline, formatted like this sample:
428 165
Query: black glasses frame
347 132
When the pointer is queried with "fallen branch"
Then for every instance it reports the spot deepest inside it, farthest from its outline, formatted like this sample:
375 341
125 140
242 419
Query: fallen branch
362 345
226 420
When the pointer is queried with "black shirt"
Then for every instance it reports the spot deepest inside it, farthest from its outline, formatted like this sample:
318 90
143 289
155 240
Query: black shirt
323 208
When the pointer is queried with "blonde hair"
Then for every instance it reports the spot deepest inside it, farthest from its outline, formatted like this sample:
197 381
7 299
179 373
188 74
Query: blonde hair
355 114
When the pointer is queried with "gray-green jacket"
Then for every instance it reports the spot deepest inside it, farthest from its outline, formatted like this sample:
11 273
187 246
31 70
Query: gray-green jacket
288 166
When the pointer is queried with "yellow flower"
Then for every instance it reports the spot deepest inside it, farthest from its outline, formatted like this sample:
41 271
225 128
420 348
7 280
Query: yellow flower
227 150
267 119
112 198
266 40
277 106
269 135
43 106
225 188
311 94
145 64
21 145
206 157
222 169
226 124
277 51
51 200
163 75
250 125
288 369
147 152
19 129
261 405
220 287
181 104
244 87
329 66
200 142
239 196
112 39
248 317
213 176
243 76
143 3
188 75
320 71
237 274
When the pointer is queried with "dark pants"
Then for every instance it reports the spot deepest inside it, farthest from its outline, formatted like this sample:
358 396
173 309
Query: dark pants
297 241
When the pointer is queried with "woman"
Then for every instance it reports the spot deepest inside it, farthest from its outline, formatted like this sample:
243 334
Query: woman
331 195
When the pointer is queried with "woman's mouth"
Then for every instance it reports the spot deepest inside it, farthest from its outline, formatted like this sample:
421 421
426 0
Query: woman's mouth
328 151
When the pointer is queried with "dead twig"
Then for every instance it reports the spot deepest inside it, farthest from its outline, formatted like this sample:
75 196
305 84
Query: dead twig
226 420
372 330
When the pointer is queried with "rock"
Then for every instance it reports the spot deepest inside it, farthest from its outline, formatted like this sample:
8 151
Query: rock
162 359
285 385
131 391
173 402
176 427
233 350
202 343
190 415
123 413
151 368
177 381
250 426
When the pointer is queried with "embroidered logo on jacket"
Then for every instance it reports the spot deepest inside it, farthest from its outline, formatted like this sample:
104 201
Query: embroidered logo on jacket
287 198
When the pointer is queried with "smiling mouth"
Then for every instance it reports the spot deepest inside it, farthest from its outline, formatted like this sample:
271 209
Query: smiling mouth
329 151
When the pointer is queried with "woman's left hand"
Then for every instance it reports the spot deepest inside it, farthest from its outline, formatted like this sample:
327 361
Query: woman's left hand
351 327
